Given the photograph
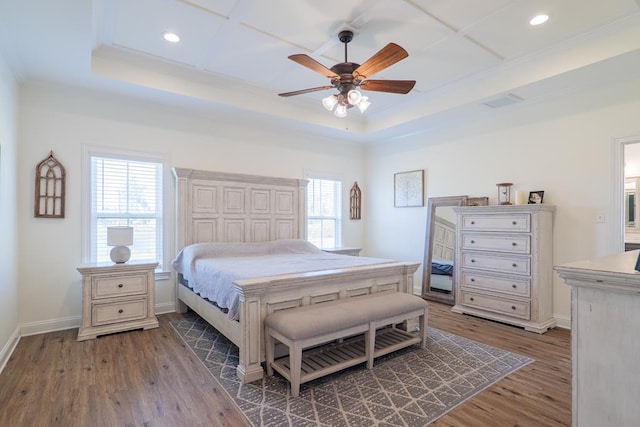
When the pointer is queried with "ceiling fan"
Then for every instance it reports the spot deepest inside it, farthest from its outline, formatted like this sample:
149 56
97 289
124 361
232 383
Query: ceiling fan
348 77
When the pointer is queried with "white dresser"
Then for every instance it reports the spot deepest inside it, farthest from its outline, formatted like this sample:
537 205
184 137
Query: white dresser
504 264
605 349
116 298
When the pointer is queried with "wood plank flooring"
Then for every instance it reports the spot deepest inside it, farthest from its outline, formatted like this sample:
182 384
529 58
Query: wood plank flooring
149 378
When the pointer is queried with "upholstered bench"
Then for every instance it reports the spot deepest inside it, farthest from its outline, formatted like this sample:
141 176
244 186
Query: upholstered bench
311 325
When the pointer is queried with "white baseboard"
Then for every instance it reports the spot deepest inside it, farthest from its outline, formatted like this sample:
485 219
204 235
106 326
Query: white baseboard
167 307
563 321
44 326
8 348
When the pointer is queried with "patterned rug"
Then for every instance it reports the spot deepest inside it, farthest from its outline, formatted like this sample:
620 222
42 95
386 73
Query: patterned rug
411 387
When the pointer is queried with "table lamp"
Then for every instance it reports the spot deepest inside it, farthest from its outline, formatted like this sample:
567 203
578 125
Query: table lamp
120 238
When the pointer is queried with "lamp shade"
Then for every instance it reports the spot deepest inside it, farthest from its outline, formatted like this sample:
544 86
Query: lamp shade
119 236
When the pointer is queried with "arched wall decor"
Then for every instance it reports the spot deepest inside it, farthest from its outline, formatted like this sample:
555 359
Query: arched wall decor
355 201
50 189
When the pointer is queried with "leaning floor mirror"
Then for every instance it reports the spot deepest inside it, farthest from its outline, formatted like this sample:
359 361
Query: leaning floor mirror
438 280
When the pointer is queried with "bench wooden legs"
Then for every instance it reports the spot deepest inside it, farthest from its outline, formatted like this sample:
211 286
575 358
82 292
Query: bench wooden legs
294 371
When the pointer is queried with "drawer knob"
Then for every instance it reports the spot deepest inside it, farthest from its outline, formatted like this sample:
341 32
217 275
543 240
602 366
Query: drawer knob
473 241
514 244
473 260
473 222
513 307
514 223
121 311
514 265
514 286
471 298
473 280
120 285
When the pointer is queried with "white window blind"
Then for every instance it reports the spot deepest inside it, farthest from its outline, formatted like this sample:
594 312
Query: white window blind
127 192
324 213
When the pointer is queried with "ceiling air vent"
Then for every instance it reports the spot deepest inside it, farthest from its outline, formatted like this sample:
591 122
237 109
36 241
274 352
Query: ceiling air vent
503 101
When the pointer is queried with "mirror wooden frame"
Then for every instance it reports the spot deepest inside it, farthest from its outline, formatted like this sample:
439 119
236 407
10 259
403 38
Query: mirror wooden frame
432 204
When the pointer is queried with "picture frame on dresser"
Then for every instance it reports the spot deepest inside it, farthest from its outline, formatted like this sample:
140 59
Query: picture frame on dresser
536 197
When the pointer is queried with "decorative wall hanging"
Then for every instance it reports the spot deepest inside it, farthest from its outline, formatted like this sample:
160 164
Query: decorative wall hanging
355 201
408 189
50 185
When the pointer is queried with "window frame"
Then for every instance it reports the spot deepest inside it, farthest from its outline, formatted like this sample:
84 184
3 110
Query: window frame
339 197
89 234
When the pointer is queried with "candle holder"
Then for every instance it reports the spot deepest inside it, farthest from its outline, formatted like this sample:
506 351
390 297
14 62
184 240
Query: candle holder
504 193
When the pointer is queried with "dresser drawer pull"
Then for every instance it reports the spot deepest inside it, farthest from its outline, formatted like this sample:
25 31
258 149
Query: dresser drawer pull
473 222
473 280
514 265
473 241
513 307
514 244
121 311
471 298
514 286
514 223
473 260
120 285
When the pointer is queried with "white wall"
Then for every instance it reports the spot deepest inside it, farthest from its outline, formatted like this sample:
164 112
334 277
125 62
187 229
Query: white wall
562 147
9 327
62 119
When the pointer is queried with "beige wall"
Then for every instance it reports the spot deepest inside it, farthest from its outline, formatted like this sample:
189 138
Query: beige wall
62 119
9 326
563 147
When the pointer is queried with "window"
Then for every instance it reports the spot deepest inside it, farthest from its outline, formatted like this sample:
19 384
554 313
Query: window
324 213
125 190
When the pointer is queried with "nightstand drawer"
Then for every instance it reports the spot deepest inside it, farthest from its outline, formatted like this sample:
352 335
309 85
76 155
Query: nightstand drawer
124 311
116 286
498 263
509 285
499 243
512 222
512 308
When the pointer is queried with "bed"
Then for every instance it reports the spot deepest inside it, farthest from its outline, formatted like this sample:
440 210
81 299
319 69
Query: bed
442 258
233 209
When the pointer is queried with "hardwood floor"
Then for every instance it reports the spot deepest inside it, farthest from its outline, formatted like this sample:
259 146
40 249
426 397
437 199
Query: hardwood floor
149 378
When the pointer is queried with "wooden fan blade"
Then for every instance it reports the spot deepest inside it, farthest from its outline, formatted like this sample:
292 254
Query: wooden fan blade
312 64
300 92
393 86
385 57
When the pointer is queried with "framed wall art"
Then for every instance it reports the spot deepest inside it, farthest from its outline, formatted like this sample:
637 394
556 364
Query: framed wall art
408 189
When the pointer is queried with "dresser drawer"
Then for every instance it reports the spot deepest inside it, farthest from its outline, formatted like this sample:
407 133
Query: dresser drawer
512 308
122 311
496 262
115 286
499 243
501 222
515 286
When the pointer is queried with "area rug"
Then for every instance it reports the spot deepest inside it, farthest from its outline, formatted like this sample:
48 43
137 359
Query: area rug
411 387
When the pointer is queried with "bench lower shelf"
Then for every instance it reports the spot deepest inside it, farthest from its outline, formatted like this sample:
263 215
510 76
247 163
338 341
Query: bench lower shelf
329 358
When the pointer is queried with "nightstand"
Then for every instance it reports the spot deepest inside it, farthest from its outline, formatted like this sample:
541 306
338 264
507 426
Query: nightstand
116 298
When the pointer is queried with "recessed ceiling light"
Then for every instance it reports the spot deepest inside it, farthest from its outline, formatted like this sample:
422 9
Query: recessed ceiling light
171 37
539 19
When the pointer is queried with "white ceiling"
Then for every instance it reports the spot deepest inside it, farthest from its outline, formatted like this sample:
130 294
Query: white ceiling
233 53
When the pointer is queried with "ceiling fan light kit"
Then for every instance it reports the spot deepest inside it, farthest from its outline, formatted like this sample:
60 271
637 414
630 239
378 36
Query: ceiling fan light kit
348 77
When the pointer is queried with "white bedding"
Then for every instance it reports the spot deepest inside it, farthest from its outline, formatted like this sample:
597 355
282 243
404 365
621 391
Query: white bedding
211 268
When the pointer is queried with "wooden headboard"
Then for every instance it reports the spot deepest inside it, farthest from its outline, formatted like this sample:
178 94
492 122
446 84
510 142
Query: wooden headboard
224 207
